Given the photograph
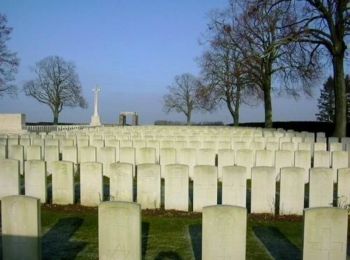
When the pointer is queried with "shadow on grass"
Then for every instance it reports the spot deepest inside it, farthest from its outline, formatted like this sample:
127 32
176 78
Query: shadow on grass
56 243
277 244
145 232
196 240
168 255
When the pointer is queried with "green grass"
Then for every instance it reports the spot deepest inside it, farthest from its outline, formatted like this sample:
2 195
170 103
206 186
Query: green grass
74 235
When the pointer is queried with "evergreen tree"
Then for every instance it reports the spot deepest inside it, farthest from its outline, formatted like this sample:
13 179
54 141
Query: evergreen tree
326 101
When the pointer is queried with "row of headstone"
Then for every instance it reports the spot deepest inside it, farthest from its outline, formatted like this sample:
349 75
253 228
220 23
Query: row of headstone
224 231
205 185
191 157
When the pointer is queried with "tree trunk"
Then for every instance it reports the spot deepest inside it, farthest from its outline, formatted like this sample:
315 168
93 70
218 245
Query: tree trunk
340 96
268 102
237 105
55 116
188 117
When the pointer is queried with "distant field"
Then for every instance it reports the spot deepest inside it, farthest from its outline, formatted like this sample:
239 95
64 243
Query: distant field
73 234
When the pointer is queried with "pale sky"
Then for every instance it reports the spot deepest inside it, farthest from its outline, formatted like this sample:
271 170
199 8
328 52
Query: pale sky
131 49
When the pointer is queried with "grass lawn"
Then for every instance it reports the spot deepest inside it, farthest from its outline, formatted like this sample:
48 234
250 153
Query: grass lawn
73 234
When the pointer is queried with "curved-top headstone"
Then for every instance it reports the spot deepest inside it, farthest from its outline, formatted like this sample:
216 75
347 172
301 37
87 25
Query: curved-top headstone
176 187
325 233
119 230
9 177
263 190
224 232
21 227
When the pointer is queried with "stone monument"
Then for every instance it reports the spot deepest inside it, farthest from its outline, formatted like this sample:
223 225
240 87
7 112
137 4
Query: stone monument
95 119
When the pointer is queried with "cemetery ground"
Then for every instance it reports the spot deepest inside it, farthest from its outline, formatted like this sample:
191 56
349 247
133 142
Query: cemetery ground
71 232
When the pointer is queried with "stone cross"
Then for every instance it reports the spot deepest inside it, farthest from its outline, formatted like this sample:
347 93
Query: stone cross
96 91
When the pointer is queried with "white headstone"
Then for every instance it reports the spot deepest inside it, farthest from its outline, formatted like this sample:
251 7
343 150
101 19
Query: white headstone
234 185
9 177
16 152
167 156
321 187
21 228
224 232
148 186
303 160
34 152
292 190
62 183
204 187
205 157
119 230
35 179
121 182
187 156
176 187
343 191
263 190
91 183
246 158
325 233
226 157
106 155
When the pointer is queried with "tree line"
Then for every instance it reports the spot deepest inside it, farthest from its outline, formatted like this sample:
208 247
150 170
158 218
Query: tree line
257 47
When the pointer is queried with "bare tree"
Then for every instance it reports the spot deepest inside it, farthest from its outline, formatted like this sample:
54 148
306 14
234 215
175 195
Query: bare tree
8 60
273 63
56 84
326 25
182 95
223 74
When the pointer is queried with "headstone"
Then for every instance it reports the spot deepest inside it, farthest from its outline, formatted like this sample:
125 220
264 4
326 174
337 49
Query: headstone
322 159
51 155
148 186
35 179
224 232
121 182
265 158
246 158
9 177
91 183
226 157
284 158
321 187
127 155
205 157
204 187
176 187
21 228
34 152
62 183
303 160
335 147
263 190
87 154
16 152
146 155
106 155
343 191
187 156
292 190
234 185
340 159
325 233
70 154
119 230
167 156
